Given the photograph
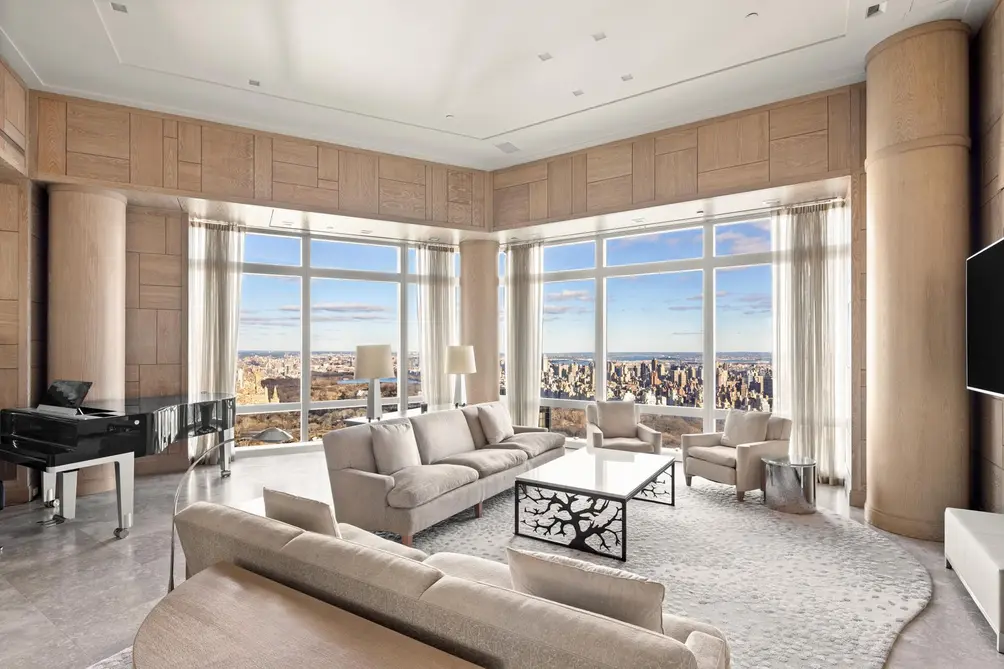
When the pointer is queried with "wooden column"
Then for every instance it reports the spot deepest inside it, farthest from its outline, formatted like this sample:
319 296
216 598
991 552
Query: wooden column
917 242
87 281
479 315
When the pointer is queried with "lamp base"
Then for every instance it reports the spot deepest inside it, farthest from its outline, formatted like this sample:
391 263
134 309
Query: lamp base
458 392
374 405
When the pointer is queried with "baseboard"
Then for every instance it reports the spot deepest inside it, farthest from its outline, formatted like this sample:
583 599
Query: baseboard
857 498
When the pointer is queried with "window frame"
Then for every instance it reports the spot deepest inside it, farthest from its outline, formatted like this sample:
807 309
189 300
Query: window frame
402 277
707 264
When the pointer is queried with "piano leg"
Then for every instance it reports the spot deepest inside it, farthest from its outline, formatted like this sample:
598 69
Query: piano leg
49 489
67 488
124 488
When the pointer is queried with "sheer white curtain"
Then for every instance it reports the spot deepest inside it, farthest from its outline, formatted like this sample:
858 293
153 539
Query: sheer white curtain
812 346
437 320
215 254
524 326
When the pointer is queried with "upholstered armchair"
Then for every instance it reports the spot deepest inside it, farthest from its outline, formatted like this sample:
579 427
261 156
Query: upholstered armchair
615 425
741 465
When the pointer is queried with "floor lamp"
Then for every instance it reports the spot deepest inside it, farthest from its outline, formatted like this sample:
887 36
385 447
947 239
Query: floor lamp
460 361
374 362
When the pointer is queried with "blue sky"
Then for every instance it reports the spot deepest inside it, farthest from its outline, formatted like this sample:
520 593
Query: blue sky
660 312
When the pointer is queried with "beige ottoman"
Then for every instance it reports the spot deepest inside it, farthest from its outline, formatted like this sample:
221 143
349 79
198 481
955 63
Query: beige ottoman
974 548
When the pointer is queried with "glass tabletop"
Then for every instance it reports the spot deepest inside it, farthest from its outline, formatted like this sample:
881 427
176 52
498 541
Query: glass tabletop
589 470
790 461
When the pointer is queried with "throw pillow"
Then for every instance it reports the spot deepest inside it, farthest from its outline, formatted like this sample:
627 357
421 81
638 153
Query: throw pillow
495 422
394 447
609 592
307 514
745 427
617 419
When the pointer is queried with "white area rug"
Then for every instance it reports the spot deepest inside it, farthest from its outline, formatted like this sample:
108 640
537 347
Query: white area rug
788 591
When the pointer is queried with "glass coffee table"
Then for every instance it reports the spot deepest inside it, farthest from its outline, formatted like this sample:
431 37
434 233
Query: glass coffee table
580 499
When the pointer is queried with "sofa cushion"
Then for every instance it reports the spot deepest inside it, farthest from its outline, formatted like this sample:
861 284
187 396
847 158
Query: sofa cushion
533 443
487 461
495 422
441 434
307 514
394 447
718 455
350 448
617 419
627 444
414 486
472 568
360 536
745 427
474 424
609 592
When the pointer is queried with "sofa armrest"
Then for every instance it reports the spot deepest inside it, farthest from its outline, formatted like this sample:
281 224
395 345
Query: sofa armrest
360 497
749 465
650 436
594 436
523 429
710 651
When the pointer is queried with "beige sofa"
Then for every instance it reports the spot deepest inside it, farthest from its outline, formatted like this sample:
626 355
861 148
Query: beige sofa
461 604
459 470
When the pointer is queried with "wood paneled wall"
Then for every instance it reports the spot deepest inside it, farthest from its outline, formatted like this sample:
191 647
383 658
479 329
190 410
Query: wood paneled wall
13 123
23 282
798 140
156 315
82 141
987 140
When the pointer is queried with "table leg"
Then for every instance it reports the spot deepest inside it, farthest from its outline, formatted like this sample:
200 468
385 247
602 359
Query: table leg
124 494
226 454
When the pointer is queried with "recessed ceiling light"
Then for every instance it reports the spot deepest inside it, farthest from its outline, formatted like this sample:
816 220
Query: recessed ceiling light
507 147
752 15
254 82
638 220
119 7
544 57
771 203
433 239
449 116
700 211
599 37
875 10
287 223
366 232
578 91
514 239
627 77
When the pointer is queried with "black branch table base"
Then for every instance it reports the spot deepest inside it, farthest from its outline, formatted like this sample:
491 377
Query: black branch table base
581 500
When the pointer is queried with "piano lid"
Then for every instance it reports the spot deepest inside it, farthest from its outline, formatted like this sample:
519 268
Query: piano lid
151 404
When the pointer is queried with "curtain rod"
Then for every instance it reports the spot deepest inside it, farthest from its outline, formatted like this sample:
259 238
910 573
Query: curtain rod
696 220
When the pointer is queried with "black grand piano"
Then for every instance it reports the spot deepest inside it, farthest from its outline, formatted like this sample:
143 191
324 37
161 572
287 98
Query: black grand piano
65 433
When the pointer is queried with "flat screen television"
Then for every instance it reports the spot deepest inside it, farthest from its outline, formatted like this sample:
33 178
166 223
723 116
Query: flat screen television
985 320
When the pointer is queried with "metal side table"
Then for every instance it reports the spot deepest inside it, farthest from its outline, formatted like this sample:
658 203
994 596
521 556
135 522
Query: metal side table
789 484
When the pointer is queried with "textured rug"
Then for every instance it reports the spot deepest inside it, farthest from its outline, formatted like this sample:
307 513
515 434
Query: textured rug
788 591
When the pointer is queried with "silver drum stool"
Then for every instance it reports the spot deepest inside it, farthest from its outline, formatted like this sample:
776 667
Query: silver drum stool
789 484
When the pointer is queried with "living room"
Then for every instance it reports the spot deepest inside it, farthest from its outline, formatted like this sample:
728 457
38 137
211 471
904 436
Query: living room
341 345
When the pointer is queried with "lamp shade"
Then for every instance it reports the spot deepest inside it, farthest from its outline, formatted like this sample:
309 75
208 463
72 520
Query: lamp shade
374 361
460 360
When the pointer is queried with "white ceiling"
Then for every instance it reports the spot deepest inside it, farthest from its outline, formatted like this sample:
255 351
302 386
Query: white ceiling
384 74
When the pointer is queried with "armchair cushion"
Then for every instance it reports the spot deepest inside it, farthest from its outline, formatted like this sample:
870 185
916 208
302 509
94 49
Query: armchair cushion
627 444
617 419
487 461
414 486
534 443
609 592
744 427
495 422
718 455
394 447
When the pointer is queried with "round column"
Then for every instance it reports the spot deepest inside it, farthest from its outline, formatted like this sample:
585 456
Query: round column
917 243
87 280
479 315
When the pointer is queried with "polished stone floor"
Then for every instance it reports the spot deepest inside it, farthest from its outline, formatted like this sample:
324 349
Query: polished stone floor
71 595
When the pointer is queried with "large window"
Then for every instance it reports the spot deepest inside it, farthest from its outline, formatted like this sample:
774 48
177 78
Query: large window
306 303
679 318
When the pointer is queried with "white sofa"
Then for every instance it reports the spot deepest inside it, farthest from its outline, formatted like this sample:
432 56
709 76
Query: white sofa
461 604
974 548
459 470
